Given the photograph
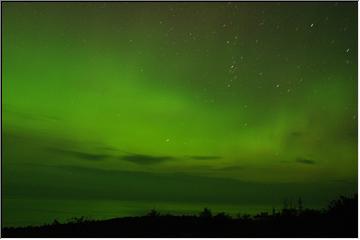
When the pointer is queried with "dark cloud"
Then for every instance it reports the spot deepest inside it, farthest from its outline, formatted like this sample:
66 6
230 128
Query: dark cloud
82 155
230 168
305 161
28 116
204 157
296 134
141 159
108 149
146 159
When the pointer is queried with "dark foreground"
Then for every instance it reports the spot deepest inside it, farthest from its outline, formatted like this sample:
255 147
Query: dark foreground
338 220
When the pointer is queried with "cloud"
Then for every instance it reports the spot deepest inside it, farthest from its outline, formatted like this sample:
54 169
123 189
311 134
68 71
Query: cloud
305 161
145 159
141 159
296 134
204 157
82 155
230 168
29 116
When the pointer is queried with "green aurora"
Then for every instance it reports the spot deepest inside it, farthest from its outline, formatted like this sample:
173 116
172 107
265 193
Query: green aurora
110 109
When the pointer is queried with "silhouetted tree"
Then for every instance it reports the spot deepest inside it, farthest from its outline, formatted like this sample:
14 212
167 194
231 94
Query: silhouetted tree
286 204
343 207
153 213
273 212
246 217
222 216
206 213
300 205
55 222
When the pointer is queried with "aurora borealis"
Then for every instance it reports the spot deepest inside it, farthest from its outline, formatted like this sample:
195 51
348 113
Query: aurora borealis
113 108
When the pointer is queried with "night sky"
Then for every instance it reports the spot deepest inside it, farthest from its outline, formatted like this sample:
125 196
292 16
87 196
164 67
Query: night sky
111 109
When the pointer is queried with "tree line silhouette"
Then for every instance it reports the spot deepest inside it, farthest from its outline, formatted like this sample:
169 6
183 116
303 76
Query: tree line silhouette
339 219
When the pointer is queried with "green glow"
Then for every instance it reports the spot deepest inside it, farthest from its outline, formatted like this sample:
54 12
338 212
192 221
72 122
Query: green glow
263 95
